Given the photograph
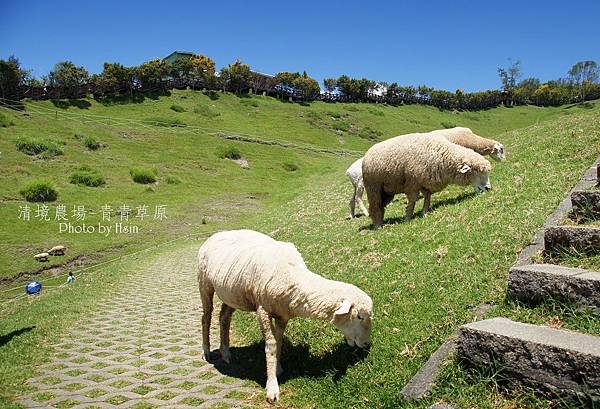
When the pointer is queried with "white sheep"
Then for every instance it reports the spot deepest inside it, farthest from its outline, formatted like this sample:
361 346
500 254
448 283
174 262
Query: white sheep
41 257
251 271
458 135
465 137
354 173
57 251
416 163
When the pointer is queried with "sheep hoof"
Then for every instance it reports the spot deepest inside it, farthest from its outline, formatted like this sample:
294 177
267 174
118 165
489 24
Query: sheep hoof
349 217
272 391
207 355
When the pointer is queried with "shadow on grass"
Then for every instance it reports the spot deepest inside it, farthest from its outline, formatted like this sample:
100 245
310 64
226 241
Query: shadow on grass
71 102
133 98
5 339
248 362
446 202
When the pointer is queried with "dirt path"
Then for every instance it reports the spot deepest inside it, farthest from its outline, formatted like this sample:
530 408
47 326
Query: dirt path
140 348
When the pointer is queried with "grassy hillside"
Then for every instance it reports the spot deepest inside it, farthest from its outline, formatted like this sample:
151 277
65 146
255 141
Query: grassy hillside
175 137
427 276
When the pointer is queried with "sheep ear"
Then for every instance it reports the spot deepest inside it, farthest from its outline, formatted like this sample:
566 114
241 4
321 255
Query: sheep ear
344 308
465 168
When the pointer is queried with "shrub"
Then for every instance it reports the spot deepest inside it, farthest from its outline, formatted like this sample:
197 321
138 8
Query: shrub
39 190
88 177
142 175
448 125
177 108
290 167
36 146
172 180
91 143
5 121
206 111
230 152
341 126
370 133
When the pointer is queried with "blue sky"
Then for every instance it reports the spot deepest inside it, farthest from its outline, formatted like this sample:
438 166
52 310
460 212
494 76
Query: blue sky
444 44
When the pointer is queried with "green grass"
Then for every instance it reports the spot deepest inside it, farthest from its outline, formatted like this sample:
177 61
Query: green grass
38 146
88 177
420 297
91 143
39 190
143 175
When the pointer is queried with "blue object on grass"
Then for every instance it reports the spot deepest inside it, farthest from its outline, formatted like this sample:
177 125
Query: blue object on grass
33 287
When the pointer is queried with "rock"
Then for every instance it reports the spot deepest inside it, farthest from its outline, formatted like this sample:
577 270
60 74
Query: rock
564 238
586 204
534 283
420 384
560 362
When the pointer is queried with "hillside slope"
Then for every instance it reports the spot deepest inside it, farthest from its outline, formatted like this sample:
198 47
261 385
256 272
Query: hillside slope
184 149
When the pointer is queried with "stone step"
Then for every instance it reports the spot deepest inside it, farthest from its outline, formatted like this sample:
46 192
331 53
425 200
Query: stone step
559 239
586 204
534 283
560 362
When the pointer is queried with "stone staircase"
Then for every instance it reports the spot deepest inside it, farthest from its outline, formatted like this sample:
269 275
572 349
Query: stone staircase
565 363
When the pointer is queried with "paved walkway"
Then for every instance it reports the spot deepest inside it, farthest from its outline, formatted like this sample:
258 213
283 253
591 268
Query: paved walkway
140 348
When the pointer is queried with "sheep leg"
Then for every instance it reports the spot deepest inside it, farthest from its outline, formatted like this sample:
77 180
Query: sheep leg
206 294
352 204
360 188
225 322
280 325
271 352
426 201
376 210
410 207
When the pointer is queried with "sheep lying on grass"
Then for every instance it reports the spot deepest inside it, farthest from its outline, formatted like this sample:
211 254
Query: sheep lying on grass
465 137
354 173
251 271
41 257
57 251
416 163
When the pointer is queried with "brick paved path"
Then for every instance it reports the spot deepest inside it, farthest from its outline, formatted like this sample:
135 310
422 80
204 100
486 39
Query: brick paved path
140 348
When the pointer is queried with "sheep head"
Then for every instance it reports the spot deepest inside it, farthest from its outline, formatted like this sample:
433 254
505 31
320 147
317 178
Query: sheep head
354 320
498 152
474 174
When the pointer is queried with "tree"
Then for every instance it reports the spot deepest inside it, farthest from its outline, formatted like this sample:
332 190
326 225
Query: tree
236 76
68 78
152 74
203 69
11 76
510 75
584 73
524 91
301 83
114 78
330 85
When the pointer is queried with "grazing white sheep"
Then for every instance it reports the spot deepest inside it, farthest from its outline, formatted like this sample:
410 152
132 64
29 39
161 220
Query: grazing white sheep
416 163
251 271
354 173
465 137
41 256
57 251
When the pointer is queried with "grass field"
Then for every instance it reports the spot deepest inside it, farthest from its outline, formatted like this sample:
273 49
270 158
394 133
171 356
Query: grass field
426 276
